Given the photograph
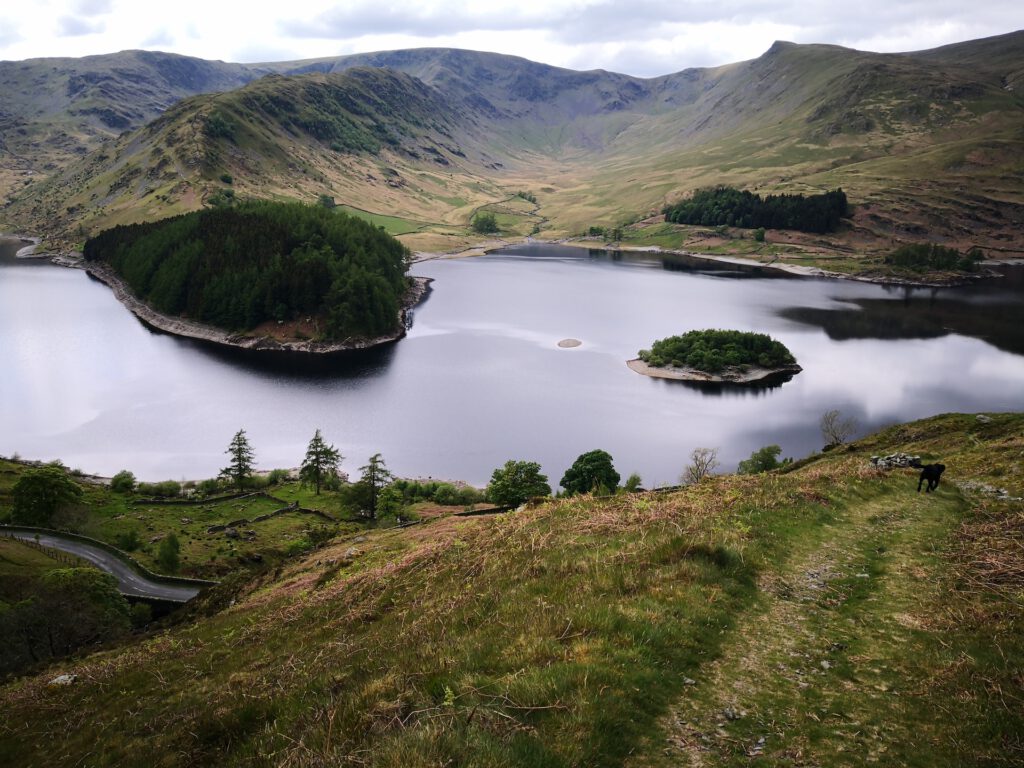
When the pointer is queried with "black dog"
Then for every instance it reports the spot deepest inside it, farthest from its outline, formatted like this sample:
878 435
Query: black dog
931 473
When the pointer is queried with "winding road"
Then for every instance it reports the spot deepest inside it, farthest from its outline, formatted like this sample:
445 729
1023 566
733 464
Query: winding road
130 583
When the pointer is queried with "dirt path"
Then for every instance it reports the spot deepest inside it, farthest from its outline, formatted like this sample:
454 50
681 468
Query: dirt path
822 671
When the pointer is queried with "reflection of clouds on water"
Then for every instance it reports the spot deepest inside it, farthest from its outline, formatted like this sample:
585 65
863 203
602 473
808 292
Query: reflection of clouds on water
1005 369
478 381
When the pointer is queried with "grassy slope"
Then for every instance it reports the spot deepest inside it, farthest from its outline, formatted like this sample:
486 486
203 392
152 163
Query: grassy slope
108 516
603 633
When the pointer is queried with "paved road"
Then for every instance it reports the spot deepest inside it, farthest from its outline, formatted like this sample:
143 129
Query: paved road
128 581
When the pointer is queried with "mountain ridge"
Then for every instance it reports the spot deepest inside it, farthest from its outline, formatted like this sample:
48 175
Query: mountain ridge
924 141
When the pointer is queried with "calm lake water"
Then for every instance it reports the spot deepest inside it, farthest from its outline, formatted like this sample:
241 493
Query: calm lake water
480 378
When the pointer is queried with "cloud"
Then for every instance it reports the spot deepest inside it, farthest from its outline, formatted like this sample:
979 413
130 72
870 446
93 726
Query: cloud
257 53
159 38
93 7
361 19
72 26
9 32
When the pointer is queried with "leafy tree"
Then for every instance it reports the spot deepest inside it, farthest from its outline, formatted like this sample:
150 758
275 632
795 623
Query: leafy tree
375 476
517 482
321 462
592 471
168 556
40 493
242 456
835 429
485 223
762 460
122 482
703 462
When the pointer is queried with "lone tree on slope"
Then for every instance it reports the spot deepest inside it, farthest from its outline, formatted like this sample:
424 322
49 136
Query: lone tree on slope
321 462
242 456
591 472
374 478
517 482
40 493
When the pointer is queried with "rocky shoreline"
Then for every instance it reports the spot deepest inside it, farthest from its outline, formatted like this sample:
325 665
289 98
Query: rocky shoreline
730 375
177 326
943 281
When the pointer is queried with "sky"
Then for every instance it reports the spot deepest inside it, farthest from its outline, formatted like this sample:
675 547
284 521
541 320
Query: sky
644 38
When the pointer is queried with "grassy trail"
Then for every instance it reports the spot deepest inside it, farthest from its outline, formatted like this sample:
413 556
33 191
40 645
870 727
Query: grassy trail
842 660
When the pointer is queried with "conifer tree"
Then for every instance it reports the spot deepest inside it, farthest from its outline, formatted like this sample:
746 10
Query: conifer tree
242 456
321 462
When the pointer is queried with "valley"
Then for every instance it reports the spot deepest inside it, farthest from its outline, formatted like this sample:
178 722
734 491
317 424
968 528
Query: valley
729 570
927 146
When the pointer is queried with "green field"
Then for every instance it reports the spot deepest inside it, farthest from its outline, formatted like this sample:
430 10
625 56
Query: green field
393 225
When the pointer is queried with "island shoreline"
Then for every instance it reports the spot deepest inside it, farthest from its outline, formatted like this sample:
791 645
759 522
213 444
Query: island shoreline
190 329
752 375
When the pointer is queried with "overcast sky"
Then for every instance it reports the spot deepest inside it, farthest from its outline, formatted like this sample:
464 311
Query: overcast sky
637 37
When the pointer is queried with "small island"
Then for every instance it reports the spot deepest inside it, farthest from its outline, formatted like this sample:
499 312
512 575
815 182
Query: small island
716 356
262 276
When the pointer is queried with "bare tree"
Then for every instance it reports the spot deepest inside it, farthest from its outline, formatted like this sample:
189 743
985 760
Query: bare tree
835 429
702 463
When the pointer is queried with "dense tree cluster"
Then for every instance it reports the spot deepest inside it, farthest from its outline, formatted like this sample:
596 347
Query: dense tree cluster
735 208
922 257
58 613
238 267
485 223
712 350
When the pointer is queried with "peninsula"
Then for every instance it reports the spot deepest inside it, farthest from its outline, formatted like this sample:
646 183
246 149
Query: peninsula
262 276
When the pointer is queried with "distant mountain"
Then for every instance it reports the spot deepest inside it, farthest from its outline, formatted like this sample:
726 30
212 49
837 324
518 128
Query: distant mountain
925 144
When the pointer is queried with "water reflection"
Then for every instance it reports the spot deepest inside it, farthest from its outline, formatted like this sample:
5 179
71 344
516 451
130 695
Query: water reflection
730 389
924 314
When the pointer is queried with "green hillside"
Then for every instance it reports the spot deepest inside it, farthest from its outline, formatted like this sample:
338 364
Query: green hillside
825 615
927 145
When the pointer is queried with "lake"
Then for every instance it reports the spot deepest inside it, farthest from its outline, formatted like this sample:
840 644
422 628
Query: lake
480 378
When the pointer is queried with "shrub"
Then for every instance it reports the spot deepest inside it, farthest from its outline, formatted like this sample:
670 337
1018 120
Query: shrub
762 460
446 494
167 556
165 489
485 223
278 476
122 482
920 257
633 483
128 540
209 487
227 178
